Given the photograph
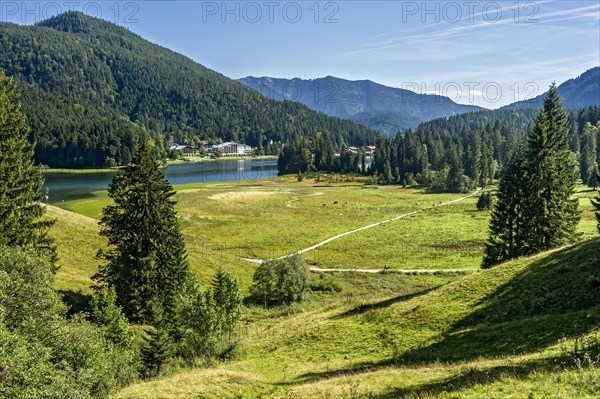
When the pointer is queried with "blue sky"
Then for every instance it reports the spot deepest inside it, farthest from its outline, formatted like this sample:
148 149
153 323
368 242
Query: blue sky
488 53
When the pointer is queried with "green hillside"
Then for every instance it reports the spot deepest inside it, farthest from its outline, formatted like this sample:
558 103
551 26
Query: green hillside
91 88
526 329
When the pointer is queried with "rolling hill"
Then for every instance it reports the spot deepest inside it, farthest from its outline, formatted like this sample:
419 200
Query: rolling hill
379 107
92 89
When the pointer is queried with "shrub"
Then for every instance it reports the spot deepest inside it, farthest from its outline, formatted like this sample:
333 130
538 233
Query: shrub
280 281
42 353
324 283
206 320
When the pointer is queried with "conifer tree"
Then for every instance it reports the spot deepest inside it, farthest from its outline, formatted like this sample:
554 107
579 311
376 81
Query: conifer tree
159 346
551 213
106 314
363 162
485 201
454 182
22 221
228 300
593 182
295 157
486 167
387 173
473 157
536 210
147 261
506 224
589 154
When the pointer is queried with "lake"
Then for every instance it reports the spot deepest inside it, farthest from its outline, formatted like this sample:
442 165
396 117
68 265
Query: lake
80 183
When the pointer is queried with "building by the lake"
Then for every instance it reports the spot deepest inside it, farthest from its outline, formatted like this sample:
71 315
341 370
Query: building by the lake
231 148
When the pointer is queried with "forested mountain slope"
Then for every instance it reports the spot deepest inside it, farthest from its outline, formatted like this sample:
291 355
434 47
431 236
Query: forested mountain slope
91 88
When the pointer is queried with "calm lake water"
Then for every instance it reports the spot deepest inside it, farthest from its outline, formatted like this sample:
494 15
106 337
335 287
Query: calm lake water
80 184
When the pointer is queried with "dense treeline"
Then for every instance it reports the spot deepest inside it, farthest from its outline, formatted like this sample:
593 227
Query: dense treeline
92 89
466 150
453 154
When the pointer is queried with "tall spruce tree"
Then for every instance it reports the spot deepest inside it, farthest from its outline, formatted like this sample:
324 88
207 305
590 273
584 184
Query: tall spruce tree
147 261
455 181
506 224
22 221
551 214
536 210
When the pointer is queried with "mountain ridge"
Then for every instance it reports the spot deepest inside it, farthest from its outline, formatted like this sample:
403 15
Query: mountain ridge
402 109
579 92
386 109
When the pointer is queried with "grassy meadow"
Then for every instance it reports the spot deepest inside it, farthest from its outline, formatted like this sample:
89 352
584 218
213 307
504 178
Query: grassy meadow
226 222
520 330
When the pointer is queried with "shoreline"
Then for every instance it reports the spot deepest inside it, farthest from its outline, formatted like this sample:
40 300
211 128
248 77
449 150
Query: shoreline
190 160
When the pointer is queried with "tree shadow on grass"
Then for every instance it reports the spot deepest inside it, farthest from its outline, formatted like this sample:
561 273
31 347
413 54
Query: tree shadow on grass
471 376
77 302
514 338
360 309
554 297
466 377
357 369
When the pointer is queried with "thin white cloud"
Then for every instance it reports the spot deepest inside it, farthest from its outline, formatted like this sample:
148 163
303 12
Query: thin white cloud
452 30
